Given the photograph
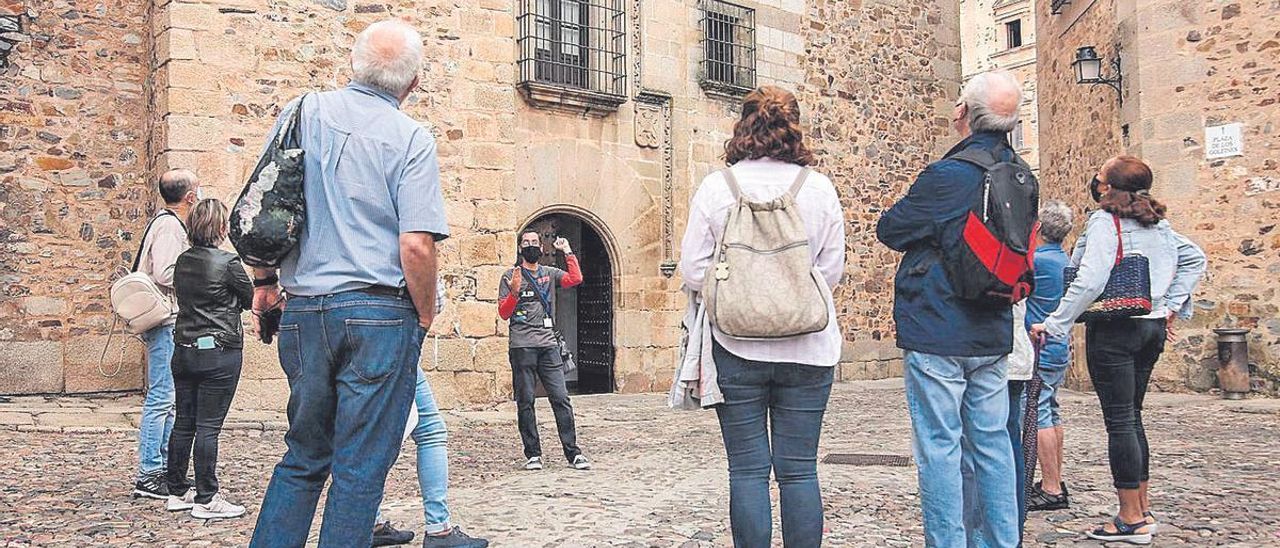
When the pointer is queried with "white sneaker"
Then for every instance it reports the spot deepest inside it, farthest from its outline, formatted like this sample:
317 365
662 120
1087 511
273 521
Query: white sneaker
534 463
218 508
581 463
185 502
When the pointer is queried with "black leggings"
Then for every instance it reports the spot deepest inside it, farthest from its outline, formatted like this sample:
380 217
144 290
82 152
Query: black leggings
1121 355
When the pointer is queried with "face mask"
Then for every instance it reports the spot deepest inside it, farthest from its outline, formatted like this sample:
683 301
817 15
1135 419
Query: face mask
1093 189
531 253
199 194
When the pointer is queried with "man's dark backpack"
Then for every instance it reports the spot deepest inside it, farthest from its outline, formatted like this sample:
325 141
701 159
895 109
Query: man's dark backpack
992 262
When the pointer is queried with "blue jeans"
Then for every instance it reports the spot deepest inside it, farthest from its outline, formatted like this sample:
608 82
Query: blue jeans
157 407
430 435
972 515
350 360
791 398
960 409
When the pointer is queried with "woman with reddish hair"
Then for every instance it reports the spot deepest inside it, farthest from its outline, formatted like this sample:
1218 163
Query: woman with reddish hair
775 390
1121 353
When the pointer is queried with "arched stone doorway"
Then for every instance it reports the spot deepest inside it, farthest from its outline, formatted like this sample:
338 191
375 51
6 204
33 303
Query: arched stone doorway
584 314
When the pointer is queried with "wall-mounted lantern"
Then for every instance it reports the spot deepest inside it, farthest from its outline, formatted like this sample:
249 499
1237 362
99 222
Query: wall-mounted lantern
1088 67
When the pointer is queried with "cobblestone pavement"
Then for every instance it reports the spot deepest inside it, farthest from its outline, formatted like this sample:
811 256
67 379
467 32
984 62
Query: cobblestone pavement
660 476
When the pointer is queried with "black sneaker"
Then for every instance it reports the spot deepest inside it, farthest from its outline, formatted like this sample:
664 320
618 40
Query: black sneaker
151 486
1040 501
386 535
455 539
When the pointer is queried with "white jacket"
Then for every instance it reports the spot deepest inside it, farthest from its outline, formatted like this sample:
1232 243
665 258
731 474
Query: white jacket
695 385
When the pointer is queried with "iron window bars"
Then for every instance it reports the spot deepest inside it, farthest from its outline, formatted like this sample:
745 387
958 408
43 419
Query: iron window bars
573 43
729 43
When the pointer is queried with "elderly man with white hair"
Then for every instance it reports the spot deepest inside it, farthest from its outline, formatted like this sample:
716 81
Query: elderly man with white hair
956 351
362 293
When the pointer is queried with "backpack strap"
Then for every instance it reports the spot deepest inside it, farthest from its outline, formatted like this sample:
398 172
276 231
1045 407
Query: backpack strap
734 188
142 245
982 158
801 178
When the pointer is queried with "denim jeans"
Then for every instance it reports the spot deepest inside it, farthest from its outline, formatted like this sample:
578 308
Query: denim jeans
792 398
205 382
430 436
157 406
960 409
1121 355
350 360
529 365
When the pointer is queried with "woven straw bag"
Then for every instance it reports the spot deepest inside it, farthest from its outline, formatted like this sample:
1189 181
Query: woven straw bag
1128 291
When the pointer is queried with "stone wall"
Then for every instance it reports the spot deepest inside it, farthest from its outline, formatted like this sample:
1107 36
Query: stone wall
873 139
74 190
876 78
1186 66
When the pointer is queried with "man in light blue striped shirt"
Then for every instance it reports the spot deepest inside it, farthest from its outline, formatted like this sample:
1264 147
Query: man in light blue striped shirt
362 293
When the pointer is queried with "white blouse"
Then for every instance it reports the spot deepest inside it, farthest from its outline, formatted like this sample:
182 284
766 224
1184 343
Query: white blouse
819 204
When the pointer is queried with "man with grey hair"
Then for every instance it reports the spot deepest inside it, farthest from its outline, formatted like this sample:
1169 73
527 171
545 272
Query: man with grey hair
362 293
956 351
163 240
1051 261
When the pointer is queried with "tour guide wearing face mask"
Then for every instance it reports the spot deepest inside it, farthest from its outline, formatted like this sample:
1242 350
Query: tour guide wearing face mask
527 298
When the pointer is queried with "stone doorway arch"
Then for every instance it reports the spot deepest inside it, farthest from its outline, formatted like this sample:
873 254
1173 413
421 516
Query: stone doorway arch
585 314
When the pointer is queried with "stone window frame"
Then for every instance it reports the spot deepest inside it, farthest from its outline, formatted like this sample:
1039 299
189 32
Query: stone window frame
572 54
727 66
1017 137
1013 33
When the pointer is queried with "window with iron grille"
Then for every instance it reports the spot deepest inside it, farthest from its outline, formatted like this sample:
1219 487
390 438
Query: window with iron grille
729 43
573 44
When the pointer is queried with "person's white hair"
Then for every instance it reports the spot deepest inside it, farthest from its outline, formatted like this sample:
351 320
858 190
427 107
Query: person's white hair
992 99
1055 221
388 56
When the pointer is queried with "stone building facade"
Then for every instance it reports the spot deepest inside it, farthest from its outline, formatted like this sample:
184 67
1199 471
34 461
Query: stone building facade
596 124
1187 67
1001 34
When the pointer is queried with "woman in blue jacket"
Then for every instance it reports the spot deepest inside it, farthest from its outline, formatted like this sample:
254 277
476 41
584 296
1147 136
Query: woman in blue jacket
1122 353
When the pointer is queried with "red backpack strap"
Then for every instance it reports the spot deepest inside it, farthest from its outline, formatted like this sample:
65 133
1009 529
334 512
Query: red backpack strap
1119 240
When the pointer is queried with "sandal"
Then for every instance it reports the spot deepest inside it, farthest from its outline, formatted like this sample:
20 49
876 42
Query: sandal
1132 533
1152 524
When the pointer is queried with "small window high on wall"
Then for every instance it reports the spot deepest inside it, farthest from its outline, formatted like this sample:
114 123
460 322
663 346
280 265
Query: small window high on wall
729 46
1016 137
1013 32
574 44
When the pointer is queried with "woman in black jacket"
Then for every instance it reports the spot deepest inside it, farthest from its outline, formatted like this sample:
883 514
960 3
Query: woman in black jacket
212 290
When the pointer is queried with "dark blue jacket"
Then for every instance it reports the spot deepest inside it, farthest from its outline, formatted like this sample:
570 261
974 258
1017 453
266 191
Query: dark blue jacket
1051 261
929 317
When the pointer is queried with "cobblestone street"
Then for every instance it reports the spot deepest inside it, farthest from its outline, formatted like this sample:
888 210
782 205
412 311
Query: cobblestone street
660 476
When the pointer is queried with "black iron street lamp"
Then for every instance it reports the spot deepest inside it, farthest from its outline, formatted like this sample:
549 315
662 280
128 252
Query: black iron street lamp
1088 67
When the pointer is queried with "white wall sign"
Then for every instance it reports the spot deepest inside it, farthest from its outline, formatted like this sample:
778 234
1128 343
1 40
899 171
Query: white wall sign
1223 141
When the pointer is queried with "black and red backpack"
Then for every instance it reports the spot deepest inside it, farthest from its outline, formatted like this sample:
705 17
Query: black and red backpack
992 263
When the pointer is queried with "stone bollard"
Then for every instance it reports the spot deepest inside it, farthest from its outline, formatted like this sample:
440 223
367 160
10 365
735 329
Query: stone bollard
1233 362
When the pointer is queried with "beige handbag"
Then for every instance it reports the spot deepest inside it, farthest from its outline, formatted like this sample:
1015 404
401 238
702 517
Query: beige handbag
762 283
